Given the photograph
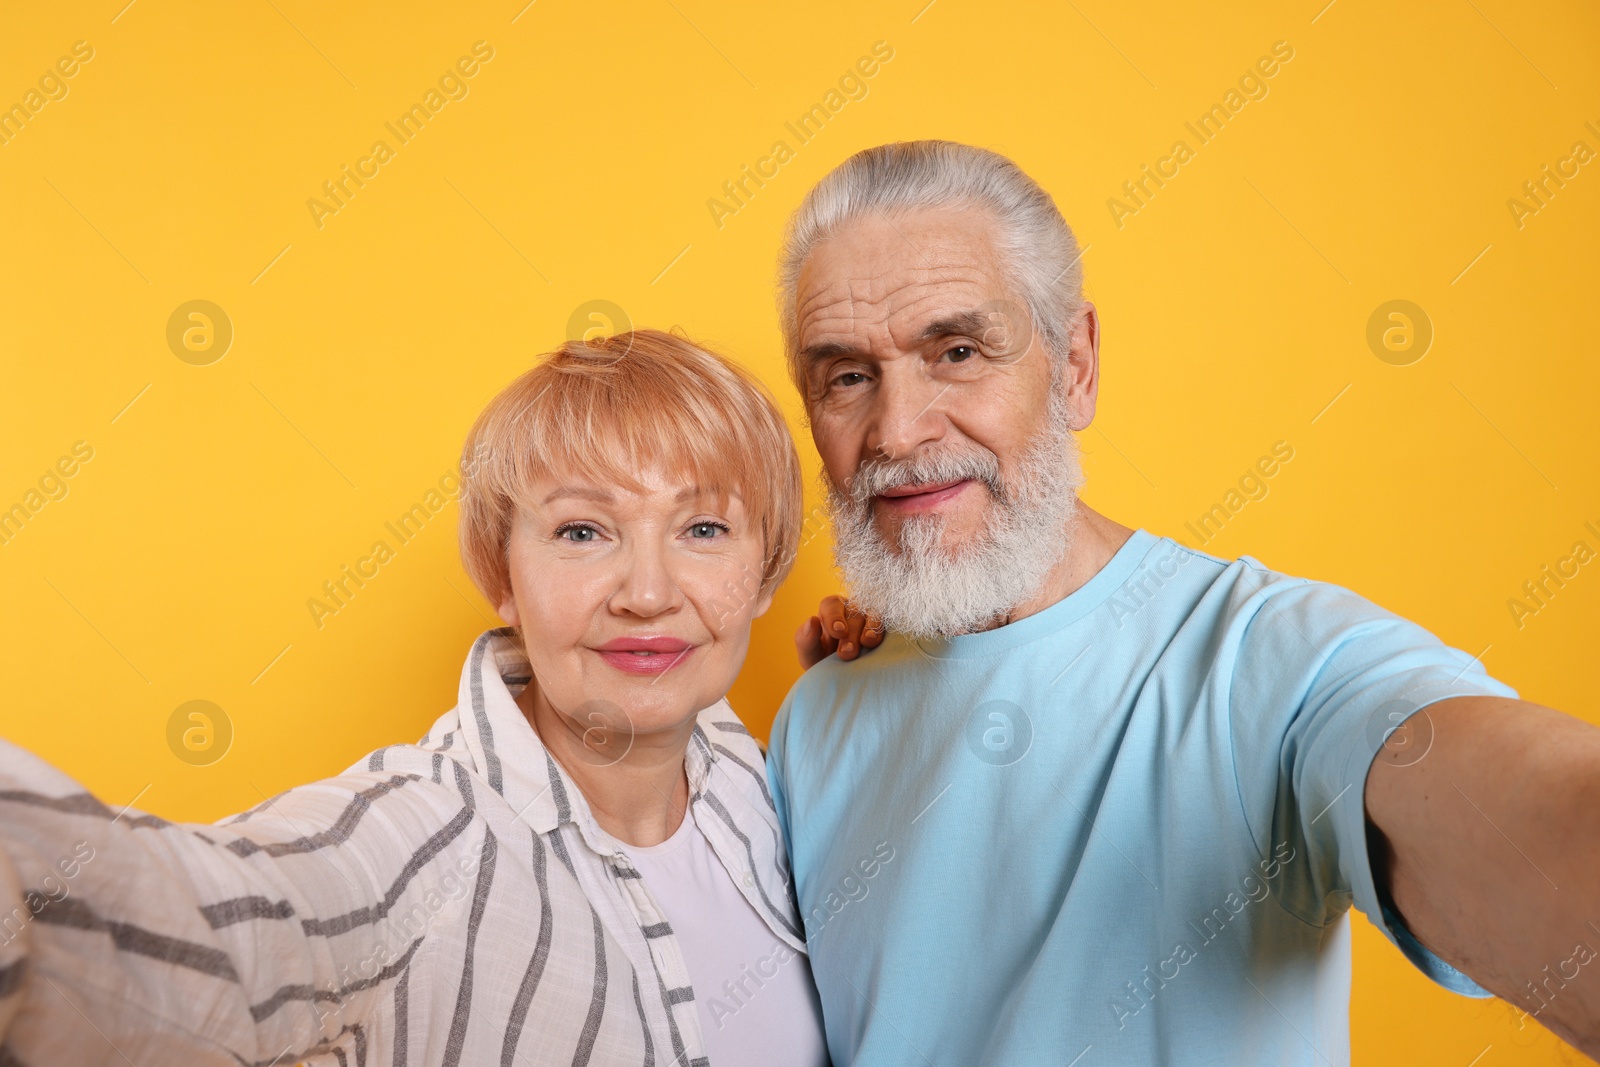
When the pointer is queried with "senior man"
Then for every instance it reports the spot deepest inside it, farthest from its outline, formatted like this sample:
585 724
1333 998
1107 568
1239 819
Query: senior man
1101 798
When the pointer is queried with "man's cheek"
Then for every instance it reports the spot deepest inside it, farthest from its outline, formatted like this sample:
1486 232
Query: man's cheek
840 440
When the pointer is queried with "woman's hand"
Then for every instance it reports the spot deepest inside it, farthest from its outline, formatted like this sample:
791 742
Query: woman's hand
836 627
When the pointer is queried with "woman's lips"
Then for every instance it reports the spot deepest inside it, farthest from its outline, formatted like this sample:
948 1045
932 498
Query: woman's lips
909 498
645 655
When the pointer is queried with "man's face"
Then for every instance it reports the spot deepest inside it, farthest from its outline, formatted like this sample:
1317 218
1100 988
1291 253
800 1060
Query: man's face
910 342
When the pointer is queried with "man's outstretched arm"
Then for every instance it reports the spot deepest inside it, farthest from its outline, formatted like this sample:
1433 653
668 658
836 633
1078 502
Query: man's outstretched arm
1489 848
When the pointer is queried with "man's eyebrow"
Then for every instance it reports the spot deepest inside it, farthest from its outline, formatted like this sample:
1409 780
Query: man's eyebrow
828 349
970 323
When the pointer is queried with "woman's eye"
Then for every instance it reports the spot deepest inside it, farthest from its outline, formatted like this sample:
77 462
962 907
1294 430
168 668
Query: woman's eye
707 529
961 353
580 534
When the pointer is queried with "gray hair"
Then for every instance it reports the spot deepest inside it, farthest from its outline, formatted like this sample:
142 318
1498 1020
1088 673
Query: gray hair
1032 240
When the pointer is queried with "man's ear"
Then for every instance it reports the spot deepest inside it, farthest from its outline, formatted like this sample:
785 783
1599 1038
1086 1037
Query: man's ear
1081 376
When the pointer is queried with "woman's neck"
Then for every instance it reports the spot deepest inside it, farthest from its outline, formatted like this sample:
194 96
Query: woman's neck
636 785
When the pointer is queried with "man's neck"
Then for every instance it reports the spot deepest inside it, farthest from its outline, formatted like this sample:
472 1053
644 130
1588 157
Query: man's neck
636 786
1094 539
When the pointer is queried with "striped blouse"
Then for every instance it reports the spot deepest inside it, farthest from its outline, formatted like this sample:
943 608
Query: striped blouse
448 902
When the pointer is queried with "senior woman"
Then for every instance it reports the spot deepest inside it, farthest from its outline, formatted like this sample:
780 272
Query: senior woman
579 863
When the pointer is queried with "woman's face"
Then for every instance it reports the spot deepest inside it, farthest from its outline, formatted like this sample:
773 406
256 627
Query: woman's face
635 607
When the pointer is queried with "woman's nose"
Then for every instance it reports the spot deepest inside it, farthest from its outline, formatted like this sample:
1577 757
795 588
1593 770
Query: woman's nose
646 585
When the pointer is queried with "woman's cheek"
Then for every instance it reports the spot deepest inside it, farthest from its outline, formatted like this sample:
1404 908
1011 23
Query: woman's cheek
559 600
725 591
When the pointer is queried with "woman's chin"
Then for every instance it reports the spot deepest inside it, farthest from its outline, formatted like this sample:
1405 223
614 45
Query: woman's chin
637 711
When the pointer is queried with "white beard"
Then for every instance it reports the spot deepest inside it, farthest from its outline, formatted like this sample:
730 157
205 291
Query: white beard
920 588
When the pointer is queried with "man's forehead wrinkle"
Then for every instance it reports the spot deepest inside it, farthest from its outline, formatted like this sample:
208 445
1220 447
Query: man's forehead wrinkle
871 307
842 307
873 289
944 266
880 290
860 291
840 290
894 319
909 323
840 313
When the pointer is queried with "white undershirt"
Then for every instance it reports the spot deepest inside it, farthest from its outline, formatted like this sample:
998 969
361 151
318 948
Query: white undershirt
756 1001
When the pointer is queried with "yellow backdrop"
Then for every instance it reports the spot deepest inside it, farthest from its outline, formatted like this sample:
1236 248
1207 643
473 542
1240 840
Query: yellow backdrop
1256 189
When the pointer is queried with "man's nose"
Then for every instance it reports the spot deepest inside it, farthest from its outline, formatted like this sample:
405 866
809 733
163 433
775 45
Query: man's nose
907 413
646 584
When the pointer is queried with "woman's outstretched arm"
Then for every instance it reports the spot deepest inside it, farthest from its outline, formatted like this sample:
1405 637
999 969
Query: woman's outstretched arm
267 938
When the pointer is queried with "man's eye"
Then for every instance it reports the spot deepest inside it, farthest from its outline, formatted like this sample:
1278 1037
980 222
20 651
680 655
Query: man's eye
707 529
579 533
849 378
961 353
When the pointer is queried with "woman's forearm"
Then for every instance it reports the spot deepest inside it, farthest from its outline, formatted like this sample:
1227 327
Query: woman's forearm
265 938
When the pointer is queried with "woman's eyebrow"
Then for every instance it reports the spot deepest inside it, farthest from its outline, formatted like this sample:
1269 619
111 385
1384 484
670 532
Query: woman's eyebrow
693 492
602 496
599 496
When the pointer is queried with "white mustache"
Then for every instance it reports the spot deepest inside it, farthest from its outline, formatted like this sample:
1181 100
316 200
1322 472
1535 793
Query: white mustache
925 468
922 587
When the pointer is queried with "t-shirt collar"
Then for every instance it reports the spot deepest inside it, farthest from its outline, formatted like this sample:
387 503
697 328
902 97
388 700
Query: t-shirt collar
1064 612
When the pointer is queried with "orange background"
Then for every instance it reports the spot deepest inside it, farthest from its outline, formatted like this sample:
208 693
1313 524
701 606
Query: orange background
179 163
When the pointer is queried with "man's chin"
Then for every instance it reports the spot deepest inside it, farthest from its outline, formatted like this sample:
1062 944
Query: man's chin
897 535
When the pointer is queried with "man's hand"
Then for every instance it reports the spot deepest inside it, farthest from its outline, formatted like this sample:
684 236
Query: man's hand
1489 847
836 627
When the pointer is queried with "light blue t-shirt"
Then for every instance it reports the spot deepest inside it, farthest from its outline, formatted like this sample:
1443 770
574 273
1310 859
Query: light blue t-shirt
1128 828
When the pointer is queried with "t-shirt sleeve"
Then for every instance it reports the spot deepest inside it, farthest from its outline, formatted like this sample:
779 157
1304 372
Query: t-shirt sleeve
1320 678
775 752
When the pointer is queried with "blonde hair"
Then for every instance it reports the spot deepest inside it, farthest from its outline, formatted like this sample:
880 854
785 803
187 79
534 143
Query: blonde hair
612 407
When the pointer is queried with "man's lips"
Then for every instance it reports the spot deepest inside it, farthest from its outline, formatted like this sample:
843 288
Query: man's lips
922 497
644 655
